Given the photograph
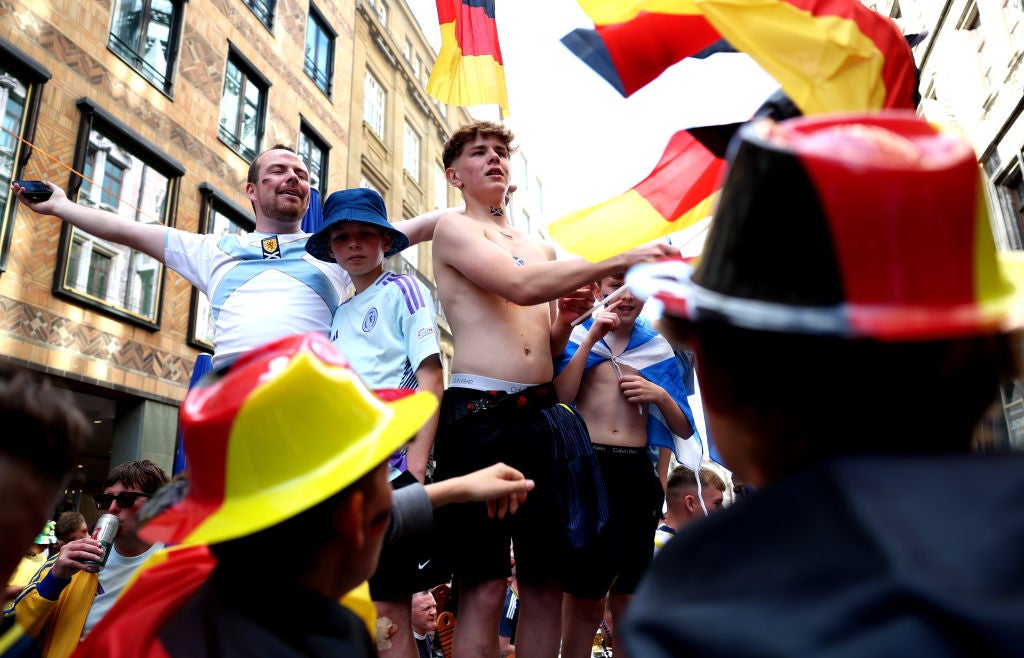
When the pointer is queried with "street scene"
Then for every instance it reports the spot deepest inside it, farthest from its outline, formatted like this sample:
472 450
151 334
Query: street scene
475 329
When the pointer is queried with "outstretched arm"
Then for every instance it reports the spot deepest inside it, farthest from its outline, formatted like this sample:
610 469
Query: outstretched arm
147 238
460 243
421 227
502 487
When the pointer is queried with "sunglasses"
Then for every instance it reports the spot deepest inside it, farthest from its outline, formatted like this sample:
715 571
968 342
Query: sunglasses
125 499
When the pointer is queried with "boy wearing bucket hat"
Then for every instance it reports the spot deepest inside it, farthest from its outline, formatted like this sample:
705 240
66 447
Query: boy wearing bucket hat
291 449
388 329
852 322
388 332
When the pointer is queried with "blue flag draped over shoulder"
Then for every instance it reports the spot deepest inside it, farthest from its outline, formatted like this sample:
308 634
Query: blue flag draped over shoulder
652 356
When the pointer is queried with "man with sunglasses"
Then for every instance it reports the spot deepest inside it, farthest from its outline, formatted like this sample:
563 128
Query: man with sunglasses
63 602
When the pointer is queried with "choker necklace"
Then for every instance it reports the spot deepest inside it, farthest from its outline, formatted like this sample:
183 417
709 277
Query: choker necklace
496 212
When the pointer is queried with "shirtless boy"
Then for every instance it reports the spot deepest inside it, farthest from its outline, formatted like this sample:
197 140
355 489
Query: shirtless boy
600 372
495 283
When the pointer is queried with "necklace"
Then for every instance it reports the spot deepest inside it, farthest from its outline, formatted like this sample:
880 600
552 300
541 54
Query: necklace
505 235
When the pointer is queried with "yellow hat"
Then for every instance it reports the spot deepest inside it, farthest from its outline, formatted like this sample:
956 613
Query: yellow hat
286 427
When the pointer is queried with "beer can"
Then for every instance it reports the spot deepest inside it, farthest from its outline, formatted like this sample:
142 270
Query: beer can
104 533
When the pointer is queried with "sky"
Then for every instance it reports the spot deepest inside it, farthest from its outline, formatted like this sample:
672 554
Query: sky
585 142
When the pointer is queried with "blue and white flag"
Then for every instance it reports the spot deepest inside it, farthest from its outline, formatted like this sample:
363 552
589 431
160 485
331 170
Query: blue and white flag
652 356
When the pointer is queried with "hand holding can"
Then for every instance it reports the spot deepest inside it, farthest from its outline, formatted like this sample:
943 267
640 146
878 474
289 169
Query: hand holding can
104 533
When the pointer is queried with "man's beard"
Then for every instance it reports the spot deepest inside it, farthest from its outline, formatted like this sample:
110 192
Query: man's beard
278 212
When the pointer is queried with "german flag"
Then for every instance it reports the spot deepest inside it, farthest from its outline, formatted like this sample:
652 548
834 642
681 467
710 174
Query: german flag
632 43
469 69
828 55
679 192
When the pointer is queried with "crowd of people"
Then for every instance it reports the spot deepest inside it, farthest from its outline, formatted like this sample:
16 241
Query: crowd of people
328 462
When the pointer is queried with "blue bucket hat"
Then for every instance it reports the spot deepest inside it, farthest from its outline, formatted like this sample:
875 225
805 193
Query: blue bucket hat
356 205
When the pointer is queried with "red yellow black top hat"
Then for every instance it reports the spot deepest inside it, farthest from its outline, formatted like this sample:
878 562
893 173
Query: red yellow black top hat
287 426
872 225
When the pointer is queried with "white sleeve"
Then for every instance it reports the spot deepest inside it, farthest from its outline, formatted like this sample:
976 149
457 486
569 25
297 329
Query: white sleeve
190 254
420 328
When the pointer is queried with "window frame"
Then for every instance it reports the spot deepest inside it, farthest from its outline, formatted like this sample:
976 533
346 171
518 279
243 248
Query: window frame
383 110
136 60
251 75
267 17
316 18
33 76
408 130
1011 202
310 134
96 118
212 200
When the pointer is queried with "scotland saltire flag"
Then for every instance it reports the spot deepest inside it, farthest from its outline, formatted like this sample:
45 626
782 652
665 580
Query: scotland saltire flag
652 356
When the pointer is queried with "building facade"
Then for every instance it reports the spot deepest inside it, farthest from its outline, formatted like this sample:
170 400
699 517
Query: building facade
154 109
971 77
397 130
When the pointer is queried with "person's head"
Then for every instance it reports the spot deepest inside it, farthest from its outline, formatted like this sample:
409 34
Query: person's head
477 156
42 431
286 445
356 232
630 306
126 490
71 526
681 496
277 184
424 613
849 277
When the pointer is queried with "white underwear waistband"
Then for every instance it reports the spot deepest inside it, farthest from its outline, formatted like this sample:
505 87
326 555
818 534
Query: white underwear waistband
481 383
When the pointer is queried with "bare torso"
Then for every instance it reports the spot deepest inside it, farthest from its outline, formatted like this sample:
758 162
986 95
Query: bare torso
493 336
610 419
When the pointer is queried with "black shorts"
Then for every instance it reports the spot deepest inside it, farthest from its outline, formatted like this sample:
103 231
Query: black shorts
624 548
407 566
480 428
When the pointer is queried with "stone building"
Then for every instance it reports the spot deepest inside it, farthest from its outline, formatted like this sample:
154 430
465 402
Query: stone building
971 77
154 109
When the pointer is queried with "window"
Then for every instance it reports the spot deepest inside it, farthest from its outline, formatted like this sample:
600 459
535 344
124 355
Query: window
970 21
242 108
407 50
411 255
97 264
382 12
21 81
264 10
223 217
374 100
411 152
319 61
1011 192
440 188
144 33
313 151
130 177
417 68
